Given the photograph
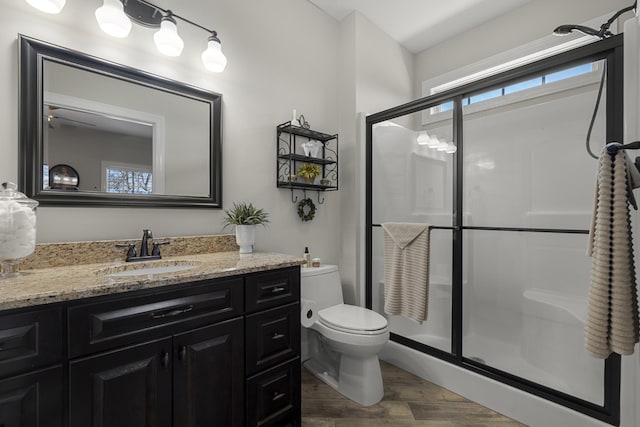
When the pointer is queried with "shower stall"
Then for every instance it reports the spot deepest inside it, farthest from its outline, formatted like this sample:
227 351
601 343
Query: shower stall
499 170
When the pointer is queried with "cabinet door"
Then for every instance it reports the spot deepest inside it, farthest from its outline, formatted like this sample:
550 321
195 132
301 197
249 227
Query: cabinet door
32 400
124 388
209 376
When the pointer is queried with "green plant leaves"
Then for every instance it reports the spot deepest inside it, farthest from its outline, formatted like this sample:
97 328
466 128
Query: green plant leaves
245 214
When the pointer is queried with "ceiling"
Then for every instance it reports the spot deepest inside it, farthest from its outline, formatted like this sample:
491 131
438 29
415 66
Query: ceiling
420 24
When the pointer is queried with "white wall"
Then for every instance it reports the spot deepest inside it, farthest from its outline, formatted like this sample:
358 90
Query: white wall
520 26
282 55
376 74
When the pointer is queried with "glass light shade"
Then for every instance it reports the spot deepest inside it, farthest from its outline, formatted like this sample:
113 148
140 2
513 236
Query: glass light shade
213 58
433 142
48 6
423 138
451 148
112 19
443 145
167 39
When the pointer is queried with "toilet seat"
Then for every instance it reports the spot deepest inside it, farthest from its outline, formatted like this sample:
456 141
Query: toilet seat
353 319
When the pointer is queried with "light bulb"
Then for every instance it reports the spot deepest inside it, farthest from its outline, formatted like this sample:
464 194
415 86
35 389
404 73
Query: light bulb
48 6
167 39
112 19
451 148
213 58
443 145
423 138
433 142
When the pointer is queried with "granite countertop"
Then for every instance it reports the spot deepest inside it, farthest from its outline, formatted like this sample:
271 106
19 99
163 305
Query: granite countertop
56 284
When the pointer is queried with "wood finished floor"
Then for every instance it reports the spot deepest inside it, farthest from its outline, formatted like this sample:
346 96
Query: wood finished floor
408 401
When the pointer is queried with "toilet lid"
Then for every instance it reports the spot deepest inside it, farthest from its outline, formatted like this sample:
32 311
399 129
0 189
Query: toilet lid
352 318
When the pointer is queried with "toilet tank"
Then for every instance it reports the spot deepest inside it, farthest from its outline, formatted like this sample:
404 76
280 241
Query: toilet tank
322 285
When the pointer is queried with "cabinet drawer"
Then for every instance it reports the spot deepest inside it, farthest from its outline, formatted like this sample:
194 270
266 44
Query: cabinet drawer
122 321
272 336
266 290
274 395
29 340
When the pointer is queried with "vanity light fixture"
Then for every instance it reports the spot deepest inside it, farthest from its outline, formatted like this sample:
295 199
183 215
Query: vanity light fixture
112 19
423 138
48 6
433 142
443 145
166 38
115 18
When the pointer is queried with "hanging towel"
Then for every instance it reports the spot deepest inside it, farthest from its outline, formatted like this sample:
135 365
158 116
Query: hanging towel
612 316
406 270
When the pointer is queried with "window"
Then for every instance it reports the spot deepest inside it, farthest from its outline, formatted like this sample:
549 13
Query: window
127 179
517 87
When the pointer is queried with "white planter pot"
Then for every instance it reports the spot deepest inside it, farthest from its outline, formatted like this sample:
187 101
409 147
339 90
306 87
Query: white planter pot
245 238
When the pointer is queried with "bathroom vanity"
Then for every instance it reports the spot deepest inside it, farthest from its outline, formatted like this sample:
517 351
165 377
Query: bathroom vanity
217 344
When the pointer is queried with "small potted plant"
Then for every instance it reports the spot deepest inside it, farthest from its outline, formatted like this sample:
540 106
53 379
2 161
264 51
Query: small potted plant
245 217
309 172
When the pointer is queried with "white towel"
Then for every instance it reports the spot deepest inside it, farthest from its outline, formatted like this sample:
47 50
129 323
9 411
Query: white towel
612 317
406 270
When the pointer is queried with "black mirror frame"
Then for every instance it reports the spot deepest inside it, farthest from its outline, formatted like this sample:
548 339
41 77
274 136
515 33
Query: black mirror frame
32 53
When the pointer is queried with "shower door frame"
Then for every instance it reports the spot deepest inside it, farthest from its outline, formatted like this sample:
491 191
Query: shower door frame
610 50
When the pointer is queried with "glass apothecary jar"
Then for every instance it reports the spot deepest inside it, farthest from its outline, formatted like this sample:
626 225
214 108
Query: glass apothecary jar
17 228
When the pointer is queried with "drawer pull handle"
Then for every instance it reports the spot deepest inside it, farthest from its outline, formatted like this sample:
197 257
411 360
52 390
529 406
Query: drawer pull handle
278 396
164 361
172 313
277 336
277 289
182 353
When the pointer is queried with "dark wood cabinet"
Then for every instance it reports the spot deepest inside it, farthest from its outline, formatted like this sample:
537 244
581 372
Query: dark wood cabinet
32 400
130 387
208 374
222 352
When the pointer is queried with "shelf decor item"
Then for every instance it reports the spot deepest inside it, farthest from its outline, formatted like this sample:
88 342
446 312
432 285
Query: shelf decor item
309 172
245 217
306 209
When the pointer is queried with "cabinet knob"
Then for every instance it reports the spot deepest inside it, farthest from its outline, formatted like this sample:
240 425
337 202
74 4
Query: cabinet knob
182 352
277 289
164 360
277 336
278 396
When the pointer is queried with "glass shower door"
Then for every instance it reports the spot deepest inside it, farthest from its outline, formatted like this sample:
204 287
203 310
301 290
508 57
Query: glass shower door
528 198
413 183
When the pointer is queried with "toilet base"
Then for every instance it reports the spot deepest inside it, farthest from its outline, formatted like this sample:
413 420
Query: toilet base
358 379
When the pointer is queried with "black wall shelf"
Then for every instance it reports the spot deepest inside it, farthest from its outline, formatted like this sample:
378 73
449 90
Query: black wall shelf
290 155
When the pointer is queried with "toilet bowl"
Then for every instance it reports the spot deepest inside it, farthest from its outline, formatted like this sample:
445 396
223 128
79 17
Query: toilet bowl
342 345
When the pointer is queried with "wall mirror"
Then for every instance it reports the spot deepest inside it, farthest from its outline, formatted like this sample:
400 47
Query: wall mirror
97 133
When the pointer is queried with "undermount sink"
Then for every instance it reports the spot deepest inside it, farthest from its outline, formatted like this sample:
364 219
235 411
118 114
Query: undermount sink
148 269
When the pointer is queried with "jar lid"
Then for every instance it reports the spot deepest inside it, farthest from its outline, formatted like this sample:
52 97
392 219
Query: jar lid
9 191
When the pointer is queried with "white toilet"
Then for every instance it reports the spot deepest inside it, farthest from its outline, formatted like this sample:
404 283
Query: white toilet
341 347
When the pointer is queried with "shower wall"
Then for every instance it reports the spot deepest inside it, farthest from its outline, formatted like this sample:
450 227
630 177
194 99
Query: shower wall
528 189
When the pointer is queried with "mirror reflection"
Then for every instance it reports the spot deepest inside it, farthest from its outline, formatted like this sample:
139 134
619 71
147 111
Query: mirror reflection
115 133
128 137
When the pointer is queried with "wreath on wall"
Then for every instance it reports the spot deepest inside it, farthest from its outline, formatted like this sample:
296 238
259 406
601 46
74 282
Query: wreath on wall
306 209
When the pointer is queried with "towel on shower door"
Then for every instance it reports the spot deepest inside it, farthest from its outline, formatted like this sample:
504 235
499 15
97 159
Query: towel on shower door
612 317
406 270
